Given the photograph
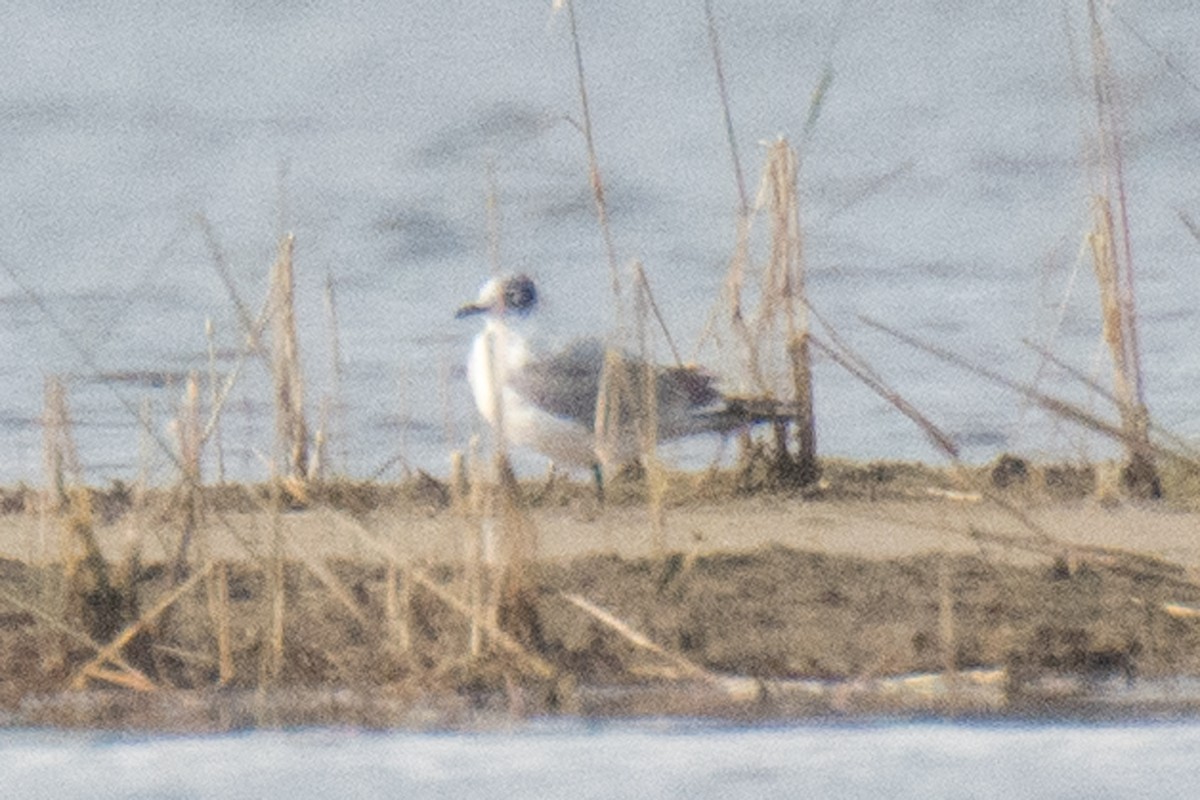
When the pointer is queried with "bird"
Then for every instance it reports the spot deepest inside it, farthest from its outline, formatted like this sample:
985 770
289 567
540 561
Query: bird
547 401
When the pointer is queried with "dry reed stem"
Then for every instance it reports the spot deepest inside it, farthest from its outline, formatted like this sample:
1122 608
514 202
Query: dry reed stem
252 330
851 361
1178 442
686 668
334 423
647 421
467 501
134 681
740 260
1113 162
1117 327
595 179
273 653
213 397
612 390
869 378
496 635
399 606
190 445
391 605
332 585
946 617
502 506
108 651
784 293
1112 256
291 429
513 596
1104 259
252 347
714 44
55 623
58 444
495 511
731 296
141 485
1062 408
218 611
499 637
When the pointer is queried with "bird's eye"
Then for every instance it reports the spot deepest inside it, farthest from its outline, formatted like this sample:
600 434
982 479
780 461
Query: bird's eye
520 294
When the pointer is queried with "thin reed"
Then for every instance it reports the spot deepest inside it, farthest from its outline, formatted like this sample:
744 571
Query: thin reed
291 427
1112 256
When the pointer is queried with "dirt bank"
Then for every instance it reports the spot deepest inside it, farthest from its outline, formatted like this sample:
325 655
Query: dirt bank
772 588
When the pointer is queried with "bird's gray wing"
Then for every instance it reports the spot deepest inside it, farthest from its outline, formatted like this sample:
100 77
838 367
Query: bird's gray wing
566 384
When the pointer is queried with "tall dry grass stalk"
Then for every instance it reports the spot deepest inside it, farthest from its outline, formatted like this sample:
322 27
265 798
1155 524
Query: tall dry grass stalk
214 398
188 429
467 495
291 428
647 420
946 637
783 295
217 588
739 262
1112 257
333 425
646 416
613 386
594 175
90 600
714 43
60 456
1140 474
398 605
246 320
276 591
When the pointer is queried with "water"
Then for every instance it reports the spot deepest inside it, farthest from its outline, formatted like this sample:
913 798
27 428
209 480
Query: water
667 760
942 189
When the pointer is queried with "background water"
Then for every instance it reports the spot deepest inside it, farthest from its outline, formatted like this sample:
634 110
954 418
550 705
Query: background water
943 191
927 761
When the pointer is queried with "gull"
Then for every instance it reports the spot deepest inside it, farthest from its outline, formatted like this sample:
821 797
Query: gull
546 401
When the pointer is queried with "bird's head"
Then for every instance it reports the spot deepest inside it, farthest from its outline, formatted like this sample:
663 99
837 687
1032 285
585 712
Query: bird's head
504 295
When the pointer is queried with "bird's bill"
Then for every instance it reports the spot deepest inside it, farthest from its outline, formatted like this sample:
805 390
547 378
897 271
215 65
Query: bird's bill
471 309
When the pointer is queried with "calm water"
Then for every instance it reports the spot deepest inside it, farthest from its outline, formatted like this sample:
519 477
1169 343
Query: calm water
942 190
927 761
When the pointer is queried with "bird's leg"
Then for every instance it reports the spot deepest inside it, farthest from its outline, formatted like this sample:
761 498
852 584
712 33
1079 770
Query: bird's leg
548 486
598 475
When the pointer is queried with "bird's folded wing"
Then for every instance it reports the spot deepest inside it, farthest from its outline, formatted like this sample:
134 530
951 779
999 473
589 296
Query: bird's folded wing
566 384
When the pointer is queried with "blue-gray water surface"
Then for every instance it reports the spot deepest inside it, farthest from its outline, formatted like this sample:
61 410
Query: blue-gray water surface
668 760
943 190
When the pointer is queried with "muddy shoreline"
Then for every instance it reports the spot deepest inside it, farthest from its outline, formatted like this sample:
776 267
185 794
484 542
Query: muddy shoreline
919 601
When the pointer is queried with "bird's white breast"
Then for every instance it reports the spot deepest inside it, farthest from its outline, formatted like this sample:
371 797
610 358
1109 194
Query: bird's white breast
497 354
